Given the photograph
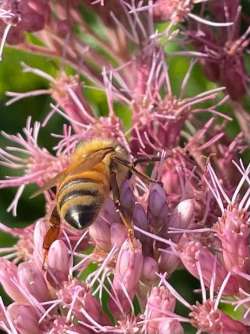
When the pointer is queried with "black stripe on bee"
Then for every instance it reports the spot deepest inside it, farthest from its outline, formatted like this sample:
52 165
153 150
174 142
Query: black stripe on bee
81 216
77 193
74 182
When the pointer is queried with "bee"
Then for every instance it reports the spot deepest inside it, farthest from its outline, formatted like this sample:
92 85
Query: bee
96 168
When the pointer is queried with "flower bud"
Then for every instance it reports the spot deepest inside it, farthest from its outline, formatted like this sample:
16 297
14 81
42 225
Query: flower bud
34 14
176 177
31 277
25 318
10 282
63 28
99 231
170 326
109 212
58 263
140 220
157 206
127 274
185 214
127 198
168 262
118 234
182 218
78 297
160 301
38 237
149 269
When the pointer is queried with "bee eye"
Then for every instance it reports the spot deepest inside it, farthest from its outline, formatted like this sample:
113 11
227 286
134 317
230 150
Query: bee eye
129 174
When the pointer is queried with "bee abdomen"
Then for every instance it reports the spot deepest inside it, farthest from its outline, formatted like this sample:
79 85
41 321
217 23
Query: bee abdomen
81 215
80 202
77 193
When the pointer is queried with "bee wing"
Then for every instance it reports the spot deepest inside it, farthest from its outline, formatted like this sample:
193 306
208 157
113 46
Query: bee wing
51 183
87 163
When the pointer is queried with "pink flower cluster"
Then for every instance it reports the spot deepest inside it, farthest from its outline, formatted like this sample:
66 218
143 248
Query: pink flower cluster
196 218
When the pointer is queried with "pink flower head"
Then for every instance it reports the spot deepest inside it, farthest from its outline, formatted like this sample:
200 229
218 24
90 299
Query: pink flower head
224 51
37 164
67 92
198 259
233 231
23 249
211 320
172 10
206 316
232 227
77 297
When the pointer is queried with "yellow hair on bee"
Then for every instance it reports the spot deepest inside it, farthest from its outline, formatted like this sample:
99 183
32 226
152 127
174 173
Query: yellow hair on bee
83 149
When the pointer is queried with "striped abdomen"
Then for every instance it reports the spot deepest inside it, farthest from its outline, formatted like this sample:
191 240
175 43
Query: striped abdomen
80 197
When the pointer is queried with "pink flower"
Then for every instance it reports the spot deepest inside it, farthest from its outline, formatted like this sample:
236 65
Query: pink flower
37 164
25 16
67 92
223 53
172 10
213 321
198 259
232 227
23 248
206 316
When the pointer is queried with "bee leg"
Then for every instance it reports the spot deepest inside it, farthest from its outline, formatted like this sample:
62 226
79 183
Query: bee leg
116 198
52 233
131 166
